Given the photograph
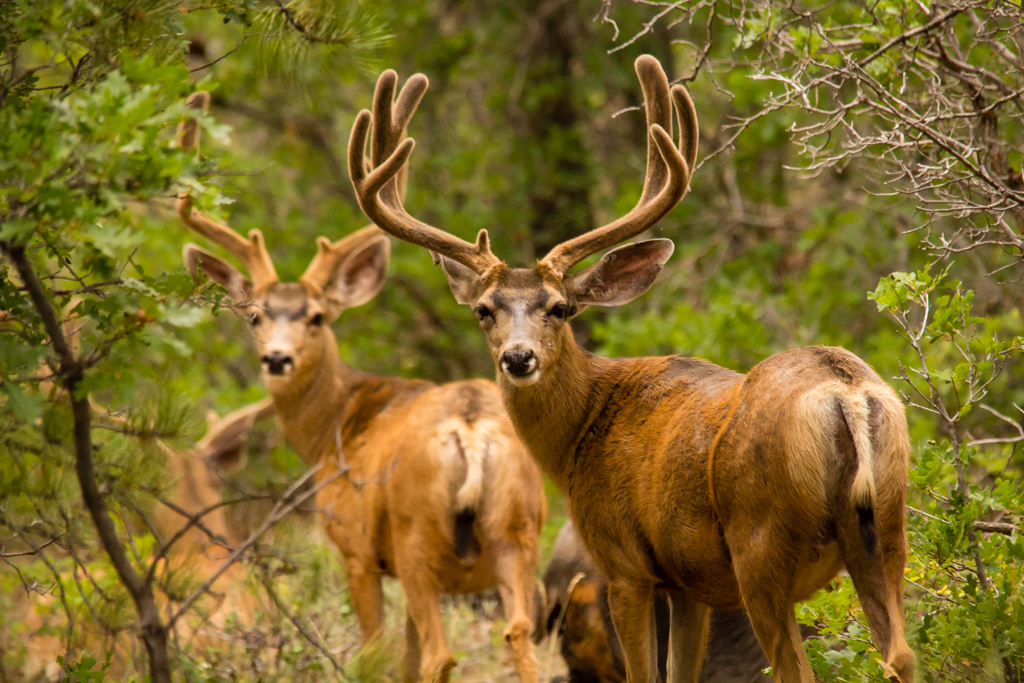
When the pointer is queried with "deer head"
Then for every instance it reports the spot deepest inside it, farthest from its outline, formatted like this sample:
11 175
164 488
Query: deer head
289 320
524 311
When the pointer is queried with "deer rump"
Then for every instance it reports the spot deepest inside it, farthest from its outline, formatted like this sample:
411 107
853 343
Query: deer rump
575 603
466 447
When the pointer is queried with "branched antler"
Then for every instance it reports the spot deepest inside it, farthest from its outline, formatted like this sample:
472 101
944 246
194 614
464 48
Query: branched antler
668 171
377 183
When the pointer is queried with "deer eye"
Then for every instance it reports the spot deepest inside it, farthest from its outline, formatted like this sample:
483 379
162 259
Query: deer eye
317 320
254 319
559 311
483 313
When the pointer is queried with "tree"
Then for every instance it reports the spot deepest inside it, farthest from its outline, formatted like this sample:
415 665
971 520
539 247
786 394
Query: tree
88 92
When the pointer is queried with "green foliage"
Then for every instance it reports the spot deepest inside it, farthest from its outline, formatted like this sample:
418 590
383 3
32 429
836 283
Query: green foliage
516 135
85 670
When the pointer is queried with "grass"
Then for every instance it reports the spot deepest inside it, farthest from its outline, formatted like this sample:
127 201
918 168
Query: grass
308 579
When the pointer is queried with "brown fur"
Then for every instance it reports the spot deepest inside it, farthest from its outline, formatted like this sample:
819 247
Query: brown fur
720 489
412 456
633 435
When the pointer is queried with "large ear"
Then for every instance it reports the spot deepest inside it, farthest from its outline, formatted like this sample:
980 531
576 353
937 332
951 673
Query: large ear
463 281
224 443
220 271
622 274
361 275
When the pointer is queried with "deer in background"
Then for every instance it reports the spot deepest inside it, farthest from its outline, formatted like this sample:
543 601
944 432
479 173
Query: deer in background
195 491
574 608
436 488
723 490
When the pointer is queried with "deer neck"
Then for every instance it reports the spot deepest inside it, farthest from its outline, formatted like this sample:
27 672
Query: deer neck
552 415
311 404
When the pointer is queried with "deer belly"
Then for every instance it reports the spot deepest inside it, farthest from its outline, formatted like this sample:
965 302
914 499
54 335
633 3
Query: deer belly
700 565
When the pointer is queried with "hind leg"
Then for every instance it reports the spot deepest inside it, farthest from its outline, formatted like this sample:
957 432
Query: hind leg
687 638
436 660
423 602
875 556
765 580
514 569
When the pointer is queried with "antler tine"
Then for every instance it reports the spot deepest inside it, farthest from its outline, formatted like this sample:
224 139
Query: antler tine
251 252
330 254
689 133
668 172
377 184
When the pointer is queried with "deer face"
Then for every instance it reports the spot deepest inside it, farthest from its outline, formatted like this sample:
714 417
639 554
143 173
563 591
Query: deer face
524 311
290 320
523 318
287 324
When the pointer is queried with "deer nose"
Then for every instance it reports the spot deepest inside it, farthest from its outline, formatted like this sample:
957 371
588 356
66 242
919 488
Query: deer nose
276 363
518 362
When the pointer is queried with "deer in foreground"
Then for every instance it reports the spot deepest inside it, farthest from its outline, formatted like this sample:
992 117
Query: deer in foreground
436 488
723 490
574 608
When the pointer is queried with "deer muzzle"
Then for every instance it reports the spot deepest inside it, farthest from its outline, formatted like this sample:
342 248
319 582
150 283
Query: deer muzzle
277 363
520 365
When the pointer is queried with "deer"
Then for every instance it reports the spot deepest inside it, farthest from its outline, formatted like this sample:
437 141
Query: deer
721 489
435 487
573 607
196 475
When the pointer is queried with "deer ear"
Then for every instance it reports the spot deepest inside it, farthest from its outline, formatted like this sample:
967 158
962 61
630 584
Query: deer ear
220 271
463 281
622 274
360 276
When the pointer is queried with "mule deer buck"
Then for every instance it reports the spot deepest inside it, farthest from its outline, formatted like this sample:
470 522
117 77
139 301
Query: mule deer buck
725 490
574 609
437 490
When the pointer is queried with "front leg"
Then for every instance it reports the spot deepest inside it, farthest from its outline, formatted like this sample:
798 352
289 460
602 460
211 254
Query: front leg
367 595
632 611
688 637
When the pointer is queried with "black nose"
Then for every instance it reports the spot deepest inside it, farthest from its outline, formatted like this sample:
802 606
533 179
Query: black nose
518 363
276 362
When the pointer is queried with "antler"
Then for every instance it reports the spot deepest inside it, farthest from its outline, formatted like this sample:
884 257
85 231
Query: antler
251 252
377 184
386 137
668 172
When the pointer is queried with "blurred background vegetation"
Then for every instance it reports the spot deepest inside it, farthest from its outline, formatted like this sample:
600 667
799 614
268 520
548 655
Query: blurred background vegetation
828 173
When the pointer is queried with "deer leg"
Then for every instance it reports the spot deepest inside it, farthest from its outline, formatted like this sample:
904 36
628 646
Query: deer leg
411 662
424 605
688 637
367 599
764 579
514 569
875 556
632 612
